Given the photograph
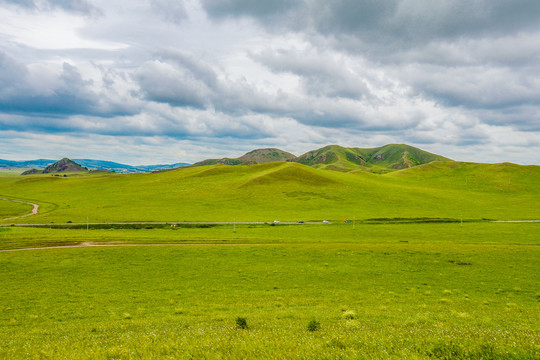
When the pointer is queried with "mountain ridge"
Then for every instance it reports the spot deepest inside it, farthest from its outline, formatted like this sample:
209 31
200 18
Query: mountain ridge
391 157
385 158
257 156
339 158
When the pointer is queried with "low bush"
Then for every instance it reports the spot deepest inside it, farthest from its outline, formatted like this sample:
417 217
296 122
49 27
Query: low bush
241 323
313 325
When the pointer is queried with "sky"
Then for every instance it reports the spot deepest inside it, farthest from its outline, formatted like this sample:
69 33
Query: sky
167 81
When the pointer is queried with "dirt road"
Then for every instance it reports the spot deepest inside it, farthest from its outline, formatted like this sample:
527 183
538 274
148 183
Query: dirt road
34 210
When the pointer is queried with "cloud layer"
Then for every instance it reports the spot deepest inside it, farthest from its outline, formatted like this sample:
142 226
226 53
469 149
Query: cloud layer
456 77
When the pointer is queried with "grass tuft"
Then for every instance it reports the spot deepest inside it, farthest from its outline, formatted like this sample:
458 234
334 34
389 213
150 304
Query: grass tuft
313 325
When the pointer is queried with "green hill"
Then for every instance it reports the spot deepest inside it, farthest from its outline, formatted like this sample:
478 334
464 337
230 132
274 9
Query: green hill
338 158
258 156
285 191
393 156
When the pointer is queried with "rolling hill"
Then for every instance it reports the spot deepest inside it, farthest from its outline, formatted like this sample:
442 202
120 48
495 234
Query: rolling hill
392 157
258 156
335 157
285 191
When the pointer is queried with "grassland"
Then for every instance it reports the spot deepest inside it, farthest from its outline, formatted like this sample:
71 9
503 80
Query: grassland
286 192
399 289
11 172
379 291
13 209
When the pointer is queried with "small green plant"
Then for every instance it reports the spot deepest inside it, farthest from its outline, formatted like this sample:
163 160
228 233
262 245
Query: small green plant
241 323
313 325
349 315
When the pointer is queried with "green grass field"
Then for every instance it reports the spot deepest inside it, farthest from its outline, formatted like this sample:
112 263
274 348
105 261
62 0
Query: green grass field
389 288
11 172
12 209
286 192
412 291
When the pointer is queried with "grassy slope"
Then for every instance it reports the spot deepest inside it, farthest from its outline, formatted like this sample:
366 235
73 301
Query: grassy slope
11 209
334 157
287 192
258 156
392 156
11 172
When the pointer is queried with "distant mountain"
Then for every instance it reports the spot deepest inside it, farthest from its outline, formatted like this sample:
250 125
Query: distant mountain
90 164
331 157
61 166
64 165
258 156
39 163
122 168
393 156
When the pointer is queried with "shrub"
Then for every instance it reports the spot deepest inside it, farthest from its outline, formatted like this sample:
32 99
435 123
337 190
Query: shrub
313 325
241 323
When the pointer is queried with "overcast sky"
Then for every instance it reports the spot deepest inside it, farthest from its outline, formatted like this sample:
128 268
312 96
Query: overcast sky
165 81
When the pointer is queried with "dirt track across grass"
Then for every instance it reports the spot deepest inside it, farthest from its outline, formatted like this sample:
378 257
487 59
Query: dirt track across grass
34 210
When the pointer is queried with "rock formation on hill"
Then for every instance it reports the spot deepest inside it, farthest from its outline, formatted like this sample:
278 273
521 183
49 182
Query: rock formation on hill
61 166
64 165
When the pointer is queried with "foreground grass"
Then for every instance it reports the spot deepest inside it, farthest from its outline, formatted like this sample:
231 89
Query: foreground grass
407 291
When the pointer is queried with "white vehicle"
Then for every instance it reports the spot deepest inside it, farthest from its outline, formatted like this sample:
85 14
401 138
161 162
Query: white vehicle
326 222
276 221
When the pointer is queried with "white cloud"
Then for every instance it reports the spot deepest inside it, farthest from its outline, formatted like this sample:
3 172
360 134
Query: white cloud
223 77
54 31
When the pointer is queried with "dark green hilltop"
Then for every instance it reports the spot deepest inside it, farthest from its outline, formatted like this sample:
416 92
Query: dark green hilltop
339 158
